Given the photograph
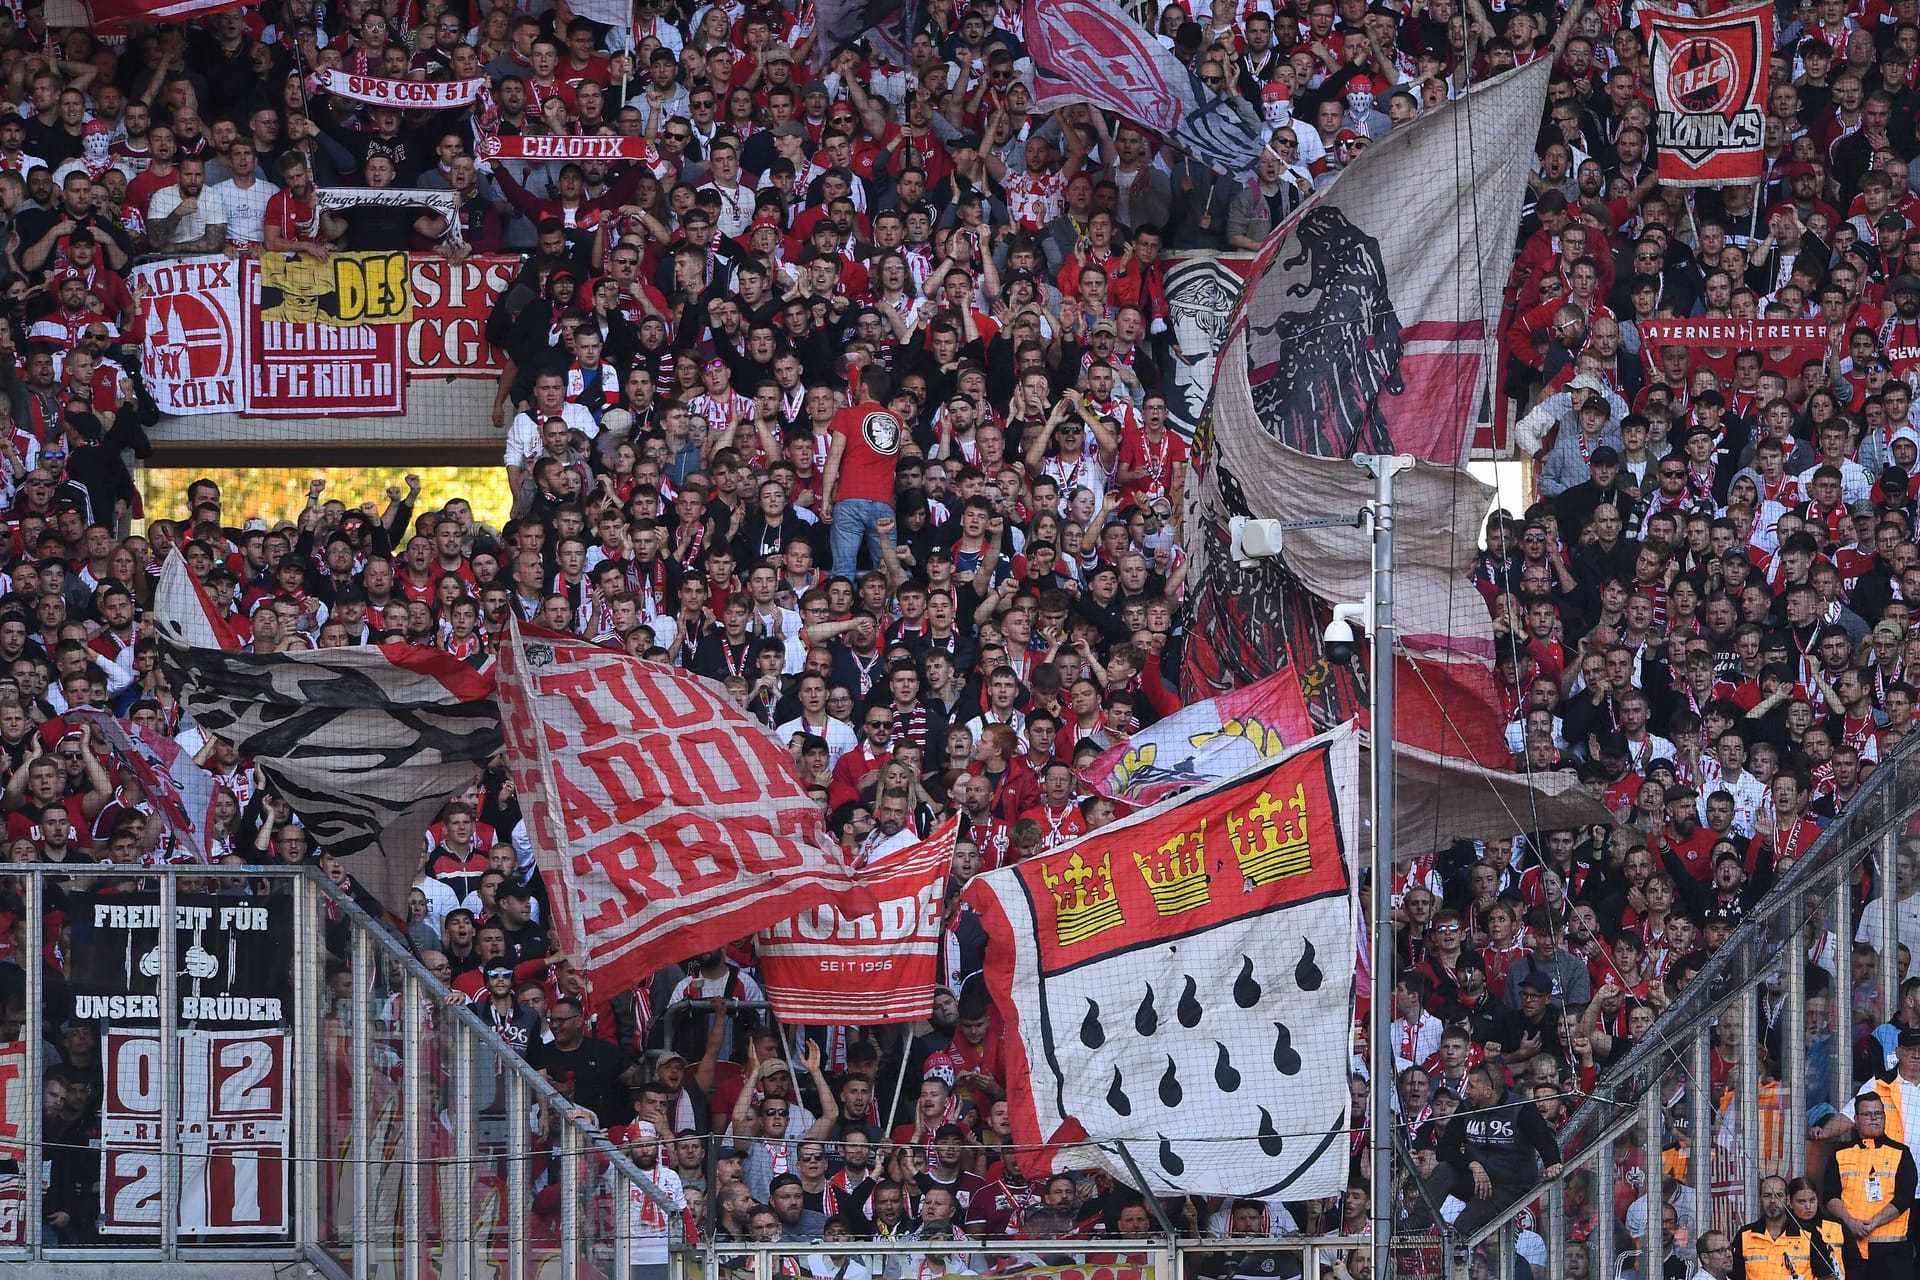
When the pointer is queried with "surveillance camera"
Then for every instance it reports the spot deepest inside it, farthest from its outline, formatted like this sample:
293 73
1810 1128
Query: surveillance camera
1255 539
1338 640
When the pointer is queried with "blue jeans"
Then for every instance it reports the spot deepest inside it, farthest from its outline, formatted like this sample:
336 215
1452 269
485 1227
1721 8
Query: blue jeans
853 523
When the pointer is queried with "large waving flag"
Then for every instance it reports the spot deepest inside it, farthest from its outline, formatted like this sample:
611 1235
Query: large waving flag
1092 51
1368 325
1181 983
365 742
666 820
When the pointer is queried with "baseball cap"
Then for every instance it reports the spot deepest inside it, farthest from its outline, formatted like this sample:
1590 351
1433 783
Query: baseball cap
1586 382
776 53
1605 456
1887 631
1905 282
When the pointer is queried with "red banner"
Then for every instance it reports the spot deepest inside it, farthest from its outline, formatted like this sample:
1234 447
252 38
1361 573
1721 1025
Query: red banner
823 967
566 146
307 369
447 337
1710 95
231 1108
180 791
666 820
1183 980
1739 335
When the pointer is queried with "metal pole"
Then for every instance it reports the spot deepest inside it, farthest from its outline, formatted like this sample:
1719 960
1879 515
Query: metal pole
360 1049
1793 1053
1653 1246
1888 906
572 1239
167 986
1146 1192
1379 899
519 1179
1603 1219
1746 1096
1840 1011
414 1236
465 1171
32 1035
1700 1116
307 1048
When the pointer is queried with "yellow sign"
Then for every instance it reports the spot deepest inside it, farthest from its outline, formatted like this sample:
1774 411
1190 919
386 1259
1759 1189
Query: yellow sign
347 289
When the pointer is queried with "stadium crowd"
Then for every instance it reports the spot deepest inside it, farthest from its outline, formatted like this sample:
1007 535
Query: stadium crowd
850 396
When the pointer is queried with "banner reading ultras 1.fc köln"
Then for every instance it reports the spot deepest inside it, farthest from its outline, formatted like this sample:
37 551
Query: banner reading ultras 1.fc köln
1710 90
1181 984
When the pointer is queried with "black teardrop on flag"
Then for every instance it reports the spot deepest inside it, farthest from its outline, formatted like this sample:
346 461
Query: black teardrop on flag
1170 1090
1172 1163
1189 1007
1285 1060
1092 1034
1306 974
1117 1097
1270 1140
1146 1019
1246 992
1224 1074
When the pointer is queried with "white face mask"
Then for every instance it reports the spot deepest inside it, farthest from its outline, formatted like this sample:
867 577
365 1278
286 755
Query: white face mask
1359 103
97 147
1279 112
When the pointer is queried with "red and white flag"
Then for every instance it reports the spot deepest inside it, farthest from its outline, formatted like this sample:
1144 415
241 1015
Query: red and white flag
826 967
185 612
1205 742
1093 51
180 790
1181 982
1710 91
1366 326
666 820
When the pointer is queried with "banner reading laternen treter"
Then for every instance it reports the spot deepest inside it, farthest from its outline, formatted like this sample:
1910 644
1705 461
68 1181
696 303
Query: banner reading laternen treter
1710 91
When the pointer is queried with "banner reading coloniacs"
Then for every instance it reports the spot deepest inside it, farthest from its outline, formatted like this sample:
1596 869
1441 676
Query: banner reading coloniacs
1710 91
1182 982
825 967
667 821
190 346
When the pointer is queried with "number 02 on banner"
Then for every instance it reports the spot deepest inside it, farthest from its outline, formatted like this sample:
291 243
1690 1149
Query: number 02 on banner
231 1133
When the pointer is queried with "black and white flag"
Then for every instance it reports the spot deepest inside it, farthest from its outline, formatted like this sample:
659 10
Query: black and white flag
365 742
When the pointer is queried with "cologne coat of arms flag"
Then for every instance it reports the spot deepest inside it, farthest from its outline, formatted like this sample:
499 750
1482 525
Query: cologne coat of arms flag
1179 986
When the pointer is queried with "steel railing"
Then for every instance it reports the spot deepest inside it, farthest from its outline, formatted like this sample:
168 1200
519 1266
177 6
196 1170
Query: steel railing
1726 1125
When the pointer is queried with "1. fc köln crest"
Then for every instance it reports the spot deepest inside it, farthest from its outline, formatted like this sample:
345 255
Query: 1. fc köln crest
1710 85
1179 986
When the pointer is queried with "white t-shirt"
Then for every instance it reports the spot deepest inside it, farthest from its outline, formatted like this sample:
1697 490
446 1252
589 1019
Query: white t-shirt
648 1222
523 437
208 211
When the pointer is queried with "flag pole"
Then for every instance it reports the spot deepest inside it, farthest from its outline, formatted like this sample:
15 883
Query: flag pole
899 1081
1380 882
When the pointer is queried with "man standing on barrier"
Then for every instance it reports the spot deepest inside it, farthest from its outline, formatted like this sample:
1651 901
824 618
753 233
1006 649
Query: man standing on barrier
1488 1151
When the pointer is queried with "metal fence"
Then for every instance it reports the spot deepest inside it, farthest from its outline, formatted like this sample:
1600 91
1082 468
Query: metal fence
1722 1089
313 1096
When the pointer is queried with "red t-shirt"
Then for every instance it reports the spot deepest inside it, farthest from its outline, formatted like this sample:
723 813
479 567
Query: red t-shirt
873 437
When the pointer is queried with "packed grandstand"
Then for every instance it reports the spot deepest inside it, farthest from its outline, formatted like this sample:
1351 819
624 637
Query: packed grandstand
842 373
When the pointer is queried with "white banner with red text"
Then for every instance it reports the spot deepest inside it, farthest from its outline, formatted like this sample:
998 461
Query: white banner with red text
411 95
206 348
827 967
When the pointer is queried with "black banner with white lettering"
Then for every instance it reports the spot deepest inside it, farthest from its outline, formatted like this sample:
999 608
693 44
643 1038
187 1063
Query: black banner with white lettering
233 964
